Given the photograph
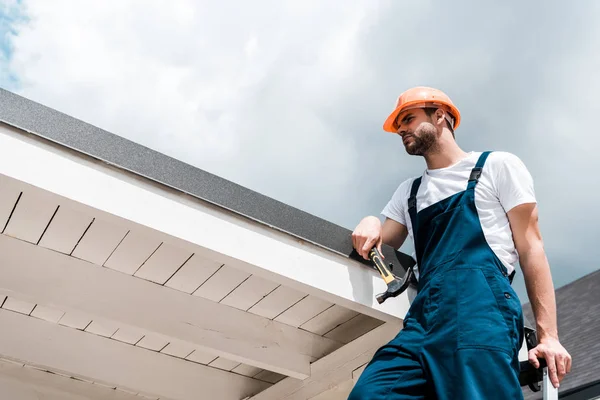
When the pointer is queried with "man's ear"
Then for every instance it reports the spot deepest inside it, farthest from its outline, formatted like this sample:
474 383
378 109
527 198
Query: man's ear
440 117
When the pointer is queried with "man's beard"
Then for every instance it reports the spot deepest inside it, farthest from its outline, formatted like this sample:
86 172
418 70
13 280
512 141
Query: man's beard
424 141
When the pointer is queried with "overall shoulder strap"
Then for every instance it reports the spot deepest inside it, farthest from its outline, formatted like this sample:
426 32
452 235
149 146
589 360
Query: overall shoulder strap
412 211
476 171
412 202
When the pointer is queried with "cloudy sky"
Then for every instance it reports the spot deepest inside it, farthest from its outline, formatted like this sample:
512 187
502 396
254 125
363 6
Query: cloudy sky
288 98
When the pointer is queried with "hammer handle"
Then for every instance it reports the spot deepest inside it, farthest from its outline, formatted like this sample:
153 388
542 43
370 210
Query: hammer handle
377 259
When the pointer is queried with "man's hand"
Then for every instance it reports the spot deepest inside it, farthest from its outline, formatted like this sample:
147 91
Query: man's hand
370 232
556 356
366 235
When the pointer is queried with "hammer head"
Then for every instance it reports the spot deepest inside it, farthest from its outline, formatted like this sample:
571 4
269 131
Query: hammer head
382 297
395 287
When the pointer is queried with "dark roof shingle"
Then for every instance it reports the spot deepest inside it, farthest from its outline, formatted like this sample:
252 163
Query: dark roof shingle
578 310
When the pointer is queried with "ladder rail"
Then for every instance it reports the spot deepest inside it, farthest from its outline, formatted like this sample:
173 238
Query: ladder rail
548 389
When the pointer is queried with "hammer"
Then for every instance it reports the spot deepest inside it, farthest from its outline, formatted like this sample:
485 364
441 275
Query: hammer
395 285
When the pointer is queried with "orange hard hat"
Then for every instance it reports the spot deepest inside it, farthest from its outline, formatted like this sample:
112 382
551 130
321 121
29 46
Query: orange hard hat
420 97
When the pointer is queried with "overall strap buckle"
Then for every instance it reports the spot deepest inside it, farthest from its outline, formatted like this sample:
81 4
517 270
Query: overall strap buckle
475 174
477 170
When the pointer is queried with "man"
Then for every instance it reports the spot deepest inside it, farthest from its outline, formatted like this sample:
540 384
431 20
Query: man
472 216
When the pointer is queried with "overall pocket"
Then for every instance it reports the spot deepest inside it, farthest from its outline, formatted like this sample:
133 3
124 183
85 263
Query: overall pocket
509 305
481 321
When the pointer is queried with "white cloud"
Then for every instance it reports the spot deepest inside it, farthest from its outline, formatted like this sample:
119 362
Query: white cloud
562 130
288 98
232 88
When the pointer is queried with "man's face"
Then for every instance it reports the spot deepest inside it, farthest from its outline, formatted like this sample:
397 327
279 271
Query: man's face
418 132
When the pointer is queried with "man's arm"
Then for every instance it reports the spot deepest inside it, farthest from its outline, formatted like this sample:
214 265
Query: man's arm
393 233
370 232
540 290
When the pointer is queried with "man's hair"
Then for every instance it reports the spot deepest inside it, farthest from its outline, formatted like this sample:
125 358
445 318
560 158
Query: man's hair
429 112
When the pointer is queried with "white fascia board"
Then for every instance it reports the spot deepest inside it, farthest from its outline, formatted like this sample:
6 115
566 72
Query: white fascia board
244 244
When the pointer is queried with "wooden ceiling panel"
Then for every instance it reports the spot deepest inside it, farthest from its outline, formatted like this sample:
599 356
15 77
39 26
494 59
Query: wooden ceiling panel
10 196
250 292
75 320
201 357
128 335
31 217
99 241
18 305
132 252
221 283
163 263
49 314
246 370
193 274
304 310
178 348
65 230
353 328
328 319
224 364
277 302
269 376
102 327
152 341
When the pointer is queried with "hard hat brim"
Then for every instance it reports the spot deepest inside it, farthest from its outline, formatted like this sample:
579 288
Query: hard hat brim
390 123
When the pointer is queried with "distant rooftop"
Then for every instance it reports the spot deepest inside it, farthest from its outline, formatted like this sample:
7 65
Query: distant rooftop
578 308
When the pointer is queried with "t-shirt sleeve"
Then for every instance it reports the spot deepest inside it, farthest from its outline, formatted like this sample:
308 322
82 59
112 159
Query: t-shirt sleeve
396 207
514 183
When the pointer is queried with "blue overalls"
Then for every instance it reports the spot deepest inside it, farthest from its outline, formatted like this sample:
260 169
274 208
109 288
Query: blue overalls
464 329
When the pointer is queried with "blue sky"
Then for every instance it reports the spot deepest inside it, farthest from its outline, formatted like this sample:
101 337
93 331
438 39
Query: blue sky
11 13
288 98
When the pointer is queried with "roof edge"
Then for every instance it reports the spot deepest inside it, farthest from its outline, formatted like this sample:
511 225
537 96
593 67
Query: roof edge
85 138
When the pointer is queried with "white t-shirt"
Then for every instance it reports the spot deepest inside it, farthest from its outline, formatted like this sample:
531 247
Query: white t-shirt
505 183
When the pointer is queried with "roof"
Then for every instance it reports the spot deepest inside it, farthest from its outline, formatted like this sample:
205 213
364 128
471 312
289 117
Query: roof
578 308
155 278
70 132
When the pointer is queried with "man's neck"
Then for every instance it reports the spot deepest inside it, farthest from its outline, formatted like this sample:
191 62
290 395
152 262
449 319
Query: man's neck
445 156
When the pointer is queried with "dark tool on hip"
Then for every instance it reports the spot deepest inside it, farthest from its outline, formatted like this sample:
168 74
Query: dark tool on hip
395 284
